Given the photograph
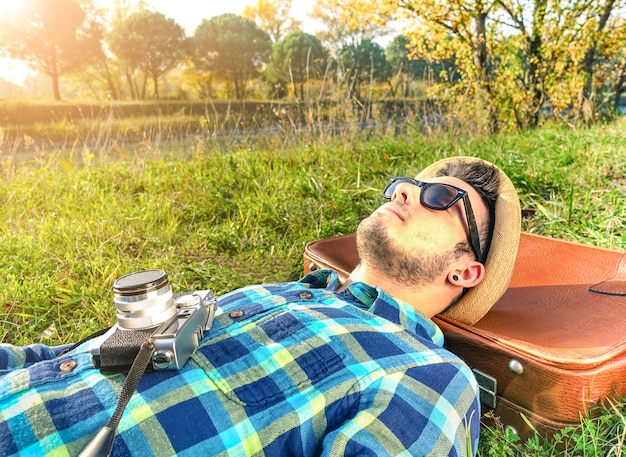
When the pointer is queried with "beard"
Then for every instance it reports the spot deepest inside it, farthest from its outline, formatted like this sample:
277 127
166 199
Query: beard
417 266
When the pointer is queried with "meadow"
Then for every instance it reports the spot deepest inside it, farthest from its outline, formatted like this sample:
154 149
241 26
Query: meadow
221 212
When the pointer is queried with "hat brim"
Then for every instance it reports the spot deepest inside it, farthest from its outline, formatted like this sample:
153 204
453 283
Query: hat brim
502 251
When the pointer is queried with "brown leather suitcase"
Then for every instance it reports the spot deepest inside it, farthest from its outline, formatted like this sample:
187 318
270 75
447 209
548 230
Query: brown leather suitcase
551 348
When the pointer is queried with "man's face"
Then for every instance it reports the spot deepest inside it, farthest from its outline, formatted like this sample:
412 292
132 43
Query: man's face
414 244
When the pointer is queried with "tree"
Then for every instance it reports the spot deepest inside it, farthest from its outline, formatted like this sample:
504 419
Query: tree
407 67
609 76
273 17
364 63
151 42
297 59
560 40
350 22
458 29
231 48
513 59
598 25
54 38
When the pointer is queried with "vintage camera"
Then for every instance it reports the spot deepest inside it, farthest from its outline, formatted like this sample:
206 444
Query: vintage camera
147 309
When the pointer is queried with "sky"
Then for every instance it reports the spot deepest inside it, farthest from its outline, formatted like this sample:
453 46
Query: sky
187 13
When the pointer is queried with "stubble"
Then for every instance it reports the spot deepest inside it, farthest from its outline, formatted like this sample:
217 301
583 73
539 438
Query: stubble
415 266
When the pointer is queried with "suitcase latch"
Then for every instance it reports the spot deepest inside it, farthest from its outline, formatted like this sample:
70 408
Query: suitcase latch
487 387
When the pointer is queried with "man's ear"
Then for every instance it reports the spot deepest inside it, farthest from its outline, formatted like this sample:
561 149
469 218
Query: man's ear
467 276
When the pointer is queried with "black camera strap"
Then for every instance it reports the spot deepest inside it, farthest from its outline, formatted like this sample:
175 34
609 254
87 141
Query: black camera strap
102 443
90 337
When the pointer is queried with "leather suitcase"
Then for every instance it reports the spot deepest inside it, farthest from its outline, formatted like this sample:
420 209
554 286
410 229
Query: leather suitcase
550 349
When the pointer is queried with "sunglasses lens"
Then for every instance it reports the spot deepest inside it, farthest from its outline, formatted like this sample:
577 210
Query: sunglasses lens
438 196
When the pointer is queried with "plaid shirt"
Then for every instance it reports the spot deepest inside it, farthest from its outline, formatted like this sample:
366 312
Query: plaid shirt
302 371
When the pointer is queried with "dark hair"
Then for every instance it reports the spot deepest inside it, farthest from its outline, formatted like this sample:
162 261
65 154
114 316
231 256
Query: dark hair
485 179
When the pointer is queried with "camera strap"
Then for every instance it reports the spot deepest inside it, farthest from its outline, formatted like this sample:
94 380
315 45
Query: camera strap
102 443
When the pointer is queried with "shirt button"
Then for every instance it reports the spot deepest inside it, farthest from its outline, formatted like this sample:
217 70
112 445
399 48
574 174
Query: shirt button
235 314
306 295
67 366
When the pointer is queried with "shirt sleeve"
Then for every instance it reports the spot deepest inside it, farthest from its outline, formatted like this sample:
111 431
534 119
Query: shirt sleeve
431 410
16 357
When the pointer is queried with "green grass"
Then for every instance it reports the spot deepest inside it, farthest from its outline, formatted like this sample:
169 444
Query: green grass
221 216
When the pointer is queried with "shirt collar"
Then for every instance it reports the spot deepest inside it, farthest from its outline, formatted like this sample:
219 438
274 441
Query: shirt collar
378 302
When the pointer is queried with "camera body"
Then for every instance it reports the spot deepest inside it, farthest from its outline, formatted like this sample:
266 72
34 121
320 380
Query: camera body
148 310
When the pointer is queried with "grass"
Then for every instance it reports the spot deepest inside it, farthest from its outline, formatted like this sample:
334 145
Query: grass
220 216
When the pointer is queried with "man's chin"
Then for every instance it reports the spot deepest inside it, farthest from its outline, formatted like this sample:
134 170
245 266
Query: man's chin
374 244
378 251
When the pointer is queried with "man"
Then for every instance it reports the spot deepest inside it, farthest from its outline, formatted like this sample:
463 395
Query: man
308 368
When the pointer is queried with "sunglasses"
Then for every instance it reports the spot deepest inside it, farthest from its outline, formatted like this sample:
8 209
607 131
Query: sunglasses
440 196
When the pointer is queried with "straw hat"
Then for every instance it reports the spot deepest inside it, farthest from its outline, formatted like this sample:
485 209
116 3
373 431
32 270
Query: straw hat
502 251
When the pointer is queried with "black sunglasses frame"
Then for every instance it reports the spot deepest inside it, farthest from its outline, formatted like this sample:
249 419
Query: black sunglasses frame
473 238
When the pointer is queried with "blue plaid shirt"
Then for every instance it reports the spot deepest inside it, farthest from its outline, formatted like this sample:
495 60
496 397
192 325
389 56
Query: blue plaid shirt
299 370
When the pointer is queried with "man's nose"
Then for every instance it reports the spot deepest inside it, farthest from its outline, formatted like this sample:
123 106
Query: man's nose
407 193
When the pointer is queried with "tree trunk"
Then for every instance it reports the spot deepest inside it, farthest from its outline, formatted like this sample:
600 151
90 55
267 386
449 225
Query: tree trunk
129 80
533 77
481 60
236 82
589 60
112 90
620 85
155 81
144 85
55 85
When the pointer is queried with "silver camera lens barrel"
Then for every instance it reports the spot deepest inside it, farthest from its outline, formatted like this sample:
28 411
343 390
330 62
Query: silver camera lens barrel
143 299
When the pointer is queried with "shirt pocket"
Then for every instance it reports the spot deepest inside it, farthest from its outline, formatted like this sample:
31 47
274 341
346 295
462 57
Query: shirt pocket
266 361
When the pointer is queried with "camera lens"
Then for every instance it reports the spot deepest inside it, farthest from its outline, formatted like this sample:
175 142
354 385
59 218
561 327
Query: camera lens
143 299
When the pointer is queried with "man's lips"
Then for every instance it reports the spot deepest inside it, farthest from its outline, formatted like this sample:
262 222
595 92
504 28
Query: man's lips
393 209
